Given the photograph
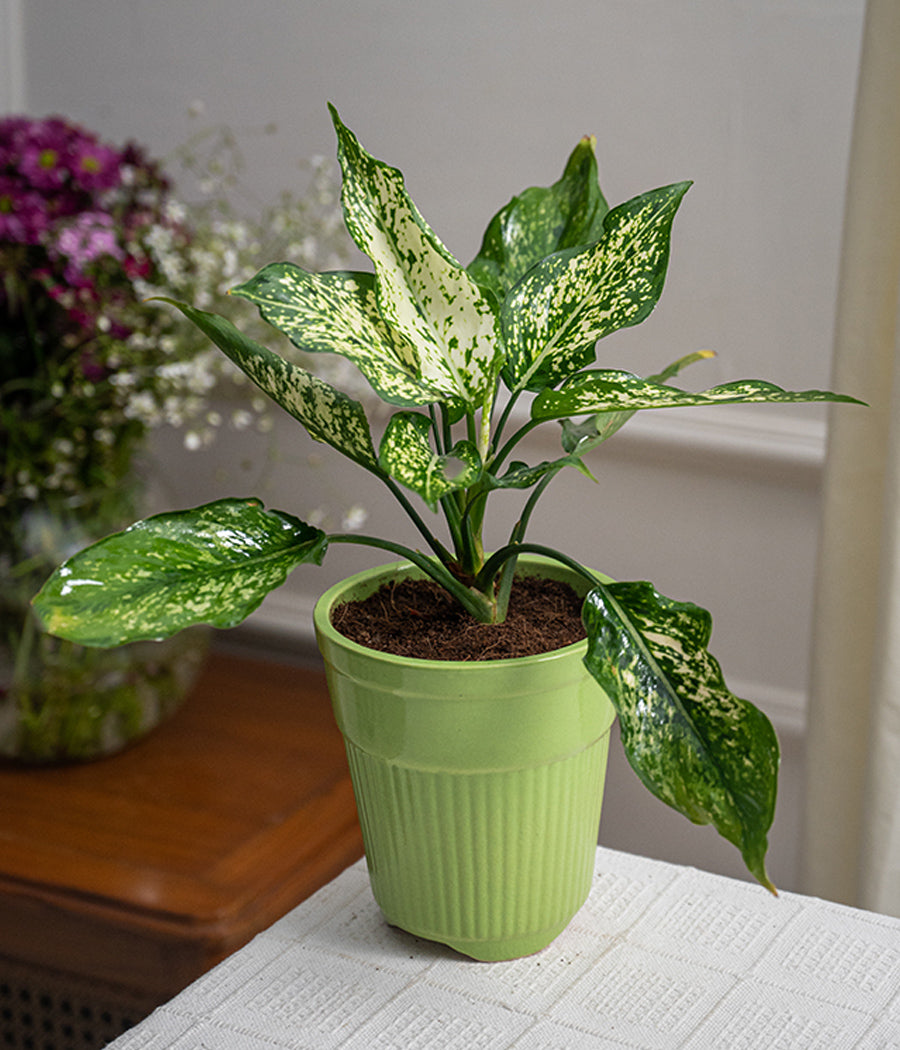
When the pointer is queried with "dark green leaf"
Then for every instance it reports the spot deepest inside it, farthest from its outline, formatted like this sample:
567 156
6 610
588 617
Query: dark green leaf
701 750
581 437
541 221
522 476
213 564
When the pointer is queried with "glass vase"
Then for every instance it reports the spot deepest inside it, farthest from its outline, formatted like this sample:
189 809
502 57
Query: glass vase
61 702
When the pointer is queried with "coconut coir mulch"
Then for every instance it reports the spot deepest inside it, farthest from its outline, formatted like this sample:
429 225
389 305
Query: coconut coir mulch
418 618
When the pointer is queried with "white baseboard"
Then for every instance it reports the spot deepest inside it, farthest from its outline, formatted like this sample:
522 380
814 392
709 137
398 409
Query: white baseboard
733 438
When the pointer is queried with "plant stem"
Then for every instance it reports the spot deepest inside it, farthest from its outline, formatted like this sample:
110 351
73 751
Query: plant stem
513 550
433 542
446 428
497 461
437 431
478 604
504 416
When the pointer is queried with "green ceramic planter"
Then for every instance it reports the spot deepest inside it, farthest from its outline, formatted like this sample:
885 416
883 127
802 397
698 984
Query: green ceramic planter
478 785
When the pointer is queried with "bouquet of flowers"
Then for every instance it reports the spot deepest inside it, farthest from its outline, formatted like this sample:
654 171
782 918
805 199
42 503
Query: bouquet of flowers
88 232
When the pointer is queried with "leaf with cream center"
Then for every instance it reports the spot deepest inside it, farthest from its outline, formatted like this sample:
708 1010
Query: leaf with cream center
338 313
423 292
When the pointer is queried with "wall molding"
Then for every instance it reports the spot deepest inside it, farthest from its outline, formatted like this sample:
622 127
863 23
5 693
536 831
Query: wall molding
733 433
12 56
728 438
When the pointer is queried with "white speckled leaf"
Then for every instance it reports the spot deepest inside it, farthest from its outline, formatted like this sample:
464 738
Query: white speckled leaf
406 454
338 313
423 292
614 391
698 748
213 564
327 414
553 317
586 434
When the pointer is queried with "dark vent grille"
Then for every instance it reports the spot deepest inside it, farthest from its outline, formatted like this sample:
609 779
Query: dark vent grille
40 1010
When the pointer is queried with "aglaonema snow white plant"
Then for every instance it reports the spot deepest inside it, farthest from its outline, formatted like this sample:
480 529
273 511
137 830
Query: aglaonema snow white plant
472 358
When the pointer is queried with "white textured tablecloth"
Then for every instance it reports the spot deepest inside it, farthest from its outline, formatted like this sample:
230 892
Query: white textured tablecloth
659 957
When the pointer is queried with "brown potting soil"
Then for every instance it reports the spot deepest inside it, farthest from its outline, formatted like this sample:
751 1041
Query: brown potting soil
417 618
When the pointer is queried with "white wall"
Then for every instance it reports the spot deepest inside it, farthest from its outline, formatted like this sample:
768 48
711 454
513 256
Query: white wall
477 99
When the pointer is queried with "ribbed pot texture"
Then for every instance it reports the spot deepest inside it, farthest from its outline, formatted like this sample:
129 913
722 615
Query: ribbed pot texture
478 784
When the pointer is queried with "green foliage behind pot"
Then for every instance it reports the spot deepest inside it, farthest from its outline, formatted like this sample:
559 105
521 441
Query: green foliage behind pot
458 352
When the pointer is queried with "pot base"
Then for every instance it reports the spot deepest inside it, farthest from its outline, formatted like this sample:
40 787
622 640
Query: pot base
503 950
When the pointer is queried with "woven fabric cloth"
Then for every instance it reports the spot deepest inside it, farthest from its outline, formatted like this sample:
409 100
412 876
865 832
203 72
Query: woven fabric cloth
659 957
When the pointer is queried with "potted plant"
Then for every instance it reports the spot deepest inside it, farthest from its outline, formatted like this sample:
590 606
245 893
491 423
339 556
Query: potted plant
478 782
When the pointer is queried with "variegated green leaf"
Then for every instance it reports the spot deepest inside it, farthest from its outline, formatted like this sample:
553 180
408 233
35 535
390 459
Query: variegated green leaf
213 564
522 476
614 391
553 317
541 221
327 414
588 433
698 748
338 313
423 292
406 454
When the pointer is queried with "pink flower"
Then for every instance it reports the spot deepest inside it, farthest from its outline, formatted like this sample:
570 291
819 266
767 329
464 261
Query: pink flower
84 240
93 165
23 213
43 151
91 369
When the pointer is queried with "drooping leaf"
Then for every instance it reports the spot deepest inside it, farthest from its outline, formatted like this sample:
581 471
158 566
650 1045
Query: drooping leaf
423 292
327 414
586 434
338 313
213 564
556 313
406 454
698 748
522 476
541 221
615 391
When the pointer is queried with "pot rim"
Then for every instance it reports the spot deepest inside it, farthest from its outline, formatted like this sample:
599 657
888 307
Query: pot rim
335 594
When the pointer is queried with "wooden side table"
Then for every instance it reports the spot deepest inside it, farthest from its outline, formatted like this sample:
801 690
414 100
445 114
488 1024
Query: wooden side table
123 880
